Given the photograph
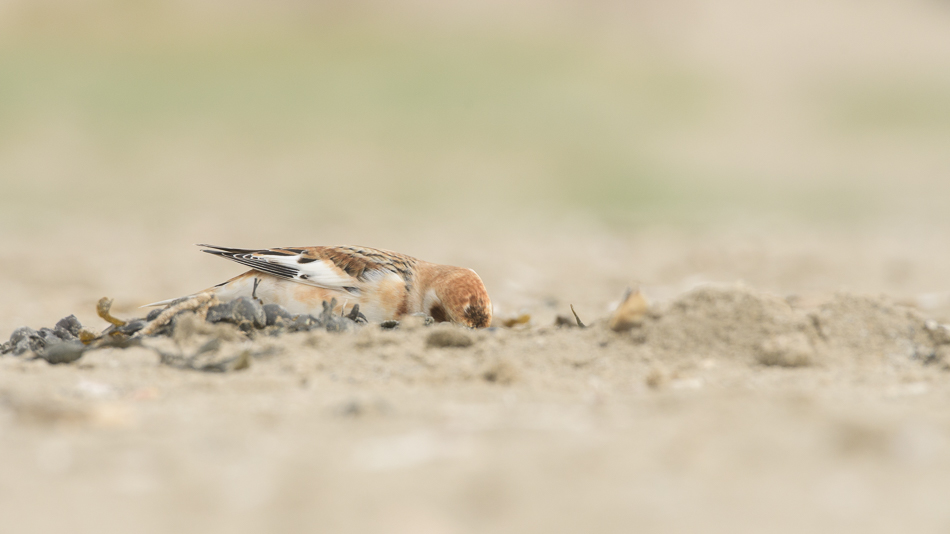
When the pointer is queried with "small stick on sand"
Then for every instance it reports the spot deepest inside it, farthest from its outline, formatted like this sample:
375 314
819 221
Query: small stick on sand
576 318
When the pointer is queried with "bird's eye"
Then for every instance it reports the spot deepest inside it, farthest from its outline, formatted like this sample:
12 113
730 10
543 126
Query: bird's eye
438 313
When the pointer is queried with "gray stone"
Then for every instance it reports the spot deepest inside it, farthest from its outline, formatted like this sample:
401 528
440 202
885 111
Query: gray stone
248 314
340 324
63 352
221 313
54 345
333 322
244 312
304 323
63 334
276 315
23 339
69 324
49 335
327 313
132 326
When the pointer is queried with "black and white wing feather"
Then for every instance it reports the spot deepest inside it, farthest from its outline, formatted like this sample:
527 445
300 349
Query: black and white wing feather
291 264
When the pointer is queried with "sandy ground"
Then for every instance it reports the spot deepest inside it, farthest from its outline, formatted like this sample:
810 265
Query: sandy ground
772 176
678 425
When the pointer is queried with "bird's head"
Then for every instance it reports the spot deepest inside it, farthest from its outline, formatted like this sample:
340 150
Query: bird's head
459 296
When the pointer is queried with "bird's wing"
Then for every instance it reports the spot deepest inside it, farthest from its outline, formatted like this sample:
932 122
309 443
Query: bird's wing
336 268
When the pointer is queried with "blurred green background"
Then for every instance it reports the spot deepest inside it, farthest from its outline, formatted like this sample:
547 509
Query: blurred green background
464 115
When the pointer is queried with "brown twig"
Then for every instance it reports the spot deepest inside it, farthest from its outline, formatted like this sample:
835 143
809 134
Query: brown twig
576 318
197 302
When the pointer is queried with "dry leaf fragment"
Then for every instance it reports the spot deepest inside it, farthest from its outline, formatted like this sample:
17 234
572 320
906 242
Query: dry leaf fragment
87 336
512 322
630 312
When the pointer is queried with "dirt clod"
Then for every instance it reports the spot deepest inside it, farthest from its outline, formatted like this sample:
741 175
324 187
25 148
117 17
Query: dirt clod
786 350
501 372
940 333
655 378
449 337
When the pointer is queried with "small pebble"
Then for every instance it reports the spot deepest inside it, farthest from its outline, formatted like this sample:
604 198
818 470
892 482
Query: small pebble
132 326
20 340
246 313
275 315
340 324
64 352
69 324
63 334
221 312
304 323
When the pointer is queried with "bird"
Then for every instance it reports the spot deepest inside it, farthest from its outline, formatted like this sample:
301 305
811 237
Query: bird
386 285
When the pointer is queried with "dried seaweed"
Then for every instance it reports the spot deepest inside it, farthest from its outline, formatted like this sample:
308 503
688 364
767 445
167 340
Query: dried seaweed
103 308
512 322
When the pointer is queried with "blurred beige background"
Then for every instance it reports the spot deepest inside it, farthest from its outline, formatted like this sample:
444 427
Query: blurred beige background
514 137
564 150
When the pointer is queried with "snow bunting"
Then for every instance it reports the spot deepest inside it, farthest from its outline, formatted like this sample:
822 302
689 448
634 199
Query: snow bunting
386 285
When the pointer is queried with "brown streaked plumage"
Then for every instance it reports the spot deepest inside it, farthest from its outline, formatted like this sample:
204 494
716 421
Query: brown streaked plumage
386 285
